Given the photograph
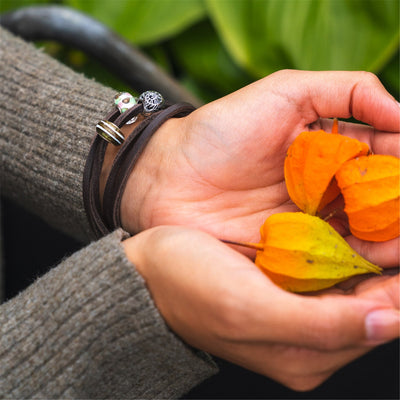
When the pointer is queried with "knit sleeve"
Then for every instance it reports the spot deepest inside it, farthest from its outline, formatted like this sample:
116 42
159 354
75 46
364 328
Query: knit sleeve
48 115
89 329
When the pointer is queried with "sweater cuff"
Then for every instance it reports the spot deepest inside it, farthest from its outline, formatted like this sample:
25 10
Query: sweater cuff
90 329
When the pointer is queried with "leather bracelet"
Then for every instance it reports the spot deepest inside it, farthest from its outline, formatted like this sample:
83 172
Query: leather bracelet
91 192
92 171
104 219
127 158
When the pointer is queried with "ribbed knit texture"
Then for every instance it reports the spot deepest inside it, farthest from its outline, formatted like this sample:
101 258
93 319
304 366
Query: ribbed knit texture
48 120
89 329
1 259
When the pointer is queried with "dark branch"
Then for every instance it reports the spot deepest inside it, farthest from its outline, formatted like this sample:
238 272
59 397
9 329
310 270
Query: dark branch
76 29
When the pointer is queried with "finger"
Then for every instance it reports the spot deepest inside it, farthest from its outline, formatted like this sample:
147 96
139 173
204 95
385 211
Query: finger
295 367
389 285
357 281
385 254
328 323
359 94
256 309
206 290
380 142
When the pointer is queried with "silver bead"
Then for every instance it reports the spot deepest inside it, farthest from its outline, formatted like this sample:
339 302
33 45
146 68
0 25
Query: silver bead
110 132
152 101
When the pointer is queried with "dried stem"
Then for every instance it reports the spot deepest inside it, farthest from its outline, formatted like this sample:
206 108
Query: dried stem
256 246
335 126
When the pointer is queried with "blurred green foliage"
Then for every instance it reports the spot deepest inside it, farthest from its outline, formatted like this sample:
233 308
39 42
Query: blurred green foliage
216 46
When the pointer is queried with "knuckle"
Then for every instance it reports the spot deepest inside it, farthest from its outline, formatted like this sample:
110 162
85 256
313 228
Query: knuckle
300 369
366 82
304 383
369 77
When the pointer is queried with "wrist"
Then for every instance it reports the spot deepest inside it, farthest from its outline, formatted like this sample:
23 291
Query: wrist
133 247
108 170
110 154
150 174
138 247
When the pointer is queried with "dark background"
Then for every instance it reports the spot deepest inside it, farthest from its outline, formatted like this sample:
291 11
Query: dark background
31 248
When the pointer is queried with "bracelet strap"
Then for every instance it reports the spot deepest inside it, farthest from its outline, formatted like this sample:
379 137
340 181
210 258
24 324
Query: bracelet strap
92 171
91 192
127 158
106 218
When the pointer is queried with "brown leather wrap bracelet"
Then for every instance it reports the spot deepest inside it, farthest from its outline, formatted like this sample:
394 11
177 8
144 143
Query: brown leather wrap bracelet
105 218
128 156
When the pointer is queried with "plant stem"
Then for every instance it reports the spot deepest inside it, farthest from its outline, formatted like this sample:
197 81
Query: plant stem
257 246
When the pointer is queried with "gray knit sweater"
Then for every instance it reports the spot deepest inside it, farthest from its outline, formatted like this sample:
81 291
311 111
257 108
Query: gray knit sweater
88 328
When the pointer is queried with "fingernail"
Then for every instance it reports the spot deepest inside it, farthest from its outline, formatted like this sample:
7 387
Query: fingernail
382 325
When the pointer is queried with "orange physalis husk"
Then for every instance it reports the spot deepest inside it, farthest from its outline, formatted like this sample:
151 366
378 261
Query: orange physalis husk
310 166
303 253
371 191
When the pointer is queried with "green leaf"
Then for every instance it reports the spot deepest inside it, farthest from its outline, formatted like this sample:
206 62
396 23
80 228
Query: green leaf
10 5
143 21
390 76
267 35
199 53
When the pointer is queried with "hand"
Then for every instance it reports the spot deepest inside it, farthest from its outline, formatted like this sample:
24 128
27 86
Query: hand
221 168
217 300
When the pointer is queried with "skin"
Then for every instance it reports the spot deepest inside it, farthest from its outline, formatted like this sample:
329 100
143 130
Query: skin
216 300
220 169
219 173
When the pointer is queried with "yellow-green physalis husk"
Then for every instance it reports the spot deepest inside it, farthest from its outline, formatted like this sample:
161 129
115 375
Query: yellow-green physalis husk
303 253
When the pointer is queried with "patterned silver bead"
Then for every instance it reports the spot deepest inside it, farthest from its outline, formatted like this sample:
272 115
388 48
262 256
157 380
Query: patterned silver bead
110 132
152 101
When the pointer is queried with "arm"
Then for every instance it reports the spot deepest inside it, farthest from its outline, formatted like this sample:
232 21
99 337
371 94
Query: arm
89 329
217 300
220 169
197 282
47 124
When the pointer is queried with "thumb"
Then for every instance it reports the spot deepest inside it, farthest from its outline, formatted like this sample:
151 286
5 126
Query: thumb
329 322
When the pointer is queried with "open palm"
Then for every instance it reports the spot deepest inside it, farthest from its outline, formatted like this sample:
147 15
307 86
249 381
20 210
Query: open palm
220 169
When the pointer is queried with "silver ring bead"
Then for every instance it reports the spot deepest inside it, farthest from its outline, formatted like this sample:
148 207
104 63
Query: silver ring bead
152 101
110 132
